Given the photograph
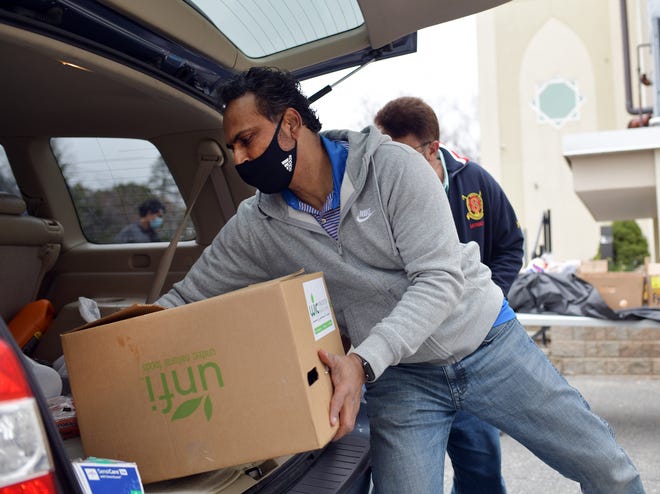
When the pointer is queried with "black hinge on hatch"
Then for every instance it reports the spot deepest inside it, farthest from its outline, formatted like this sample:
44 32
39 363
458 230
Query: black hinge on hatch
362 58
326 89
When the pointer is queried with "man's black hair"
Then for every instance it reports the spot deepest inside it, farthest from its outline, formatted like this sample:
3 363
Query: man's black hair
275 91
150 206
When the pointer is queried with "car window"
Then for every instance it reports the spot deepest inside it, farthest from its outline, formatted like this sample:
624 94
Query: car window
119 188
259 28
7 180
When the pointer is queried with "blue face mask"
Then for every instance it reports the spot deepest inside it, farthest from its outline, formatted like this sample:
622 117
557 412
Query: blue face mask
157 222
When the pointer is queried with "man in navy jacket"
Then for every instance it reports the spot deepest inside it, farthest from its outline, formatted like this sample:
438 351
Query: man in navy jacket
482 213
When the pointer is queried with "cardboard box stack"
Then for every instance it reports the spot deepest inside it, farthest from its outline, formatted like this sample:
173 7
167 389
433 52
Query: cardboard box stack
620 290
220 382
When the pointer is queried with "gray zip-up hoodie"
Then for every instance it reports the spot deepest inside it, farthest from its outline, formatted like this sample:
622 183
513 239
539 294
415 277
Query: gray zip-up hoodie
402 286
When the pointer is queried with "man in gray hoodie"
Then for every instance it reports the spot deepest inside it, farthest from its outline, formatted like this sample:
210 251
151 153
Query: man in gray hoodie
431 333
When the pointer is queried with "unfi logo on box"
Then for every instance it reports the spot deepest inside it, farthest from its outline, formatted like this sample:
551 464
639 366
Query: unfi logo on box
318 304
179 385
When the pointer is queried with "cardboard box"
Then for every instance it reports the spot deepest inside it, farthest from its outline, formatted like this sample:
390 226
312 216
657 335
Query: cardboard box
225 381
653 284
620 290
593 266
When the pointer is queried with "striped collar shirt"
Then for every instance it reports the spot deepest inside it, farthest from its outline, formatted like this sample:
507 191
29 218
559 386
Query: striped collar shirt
328 216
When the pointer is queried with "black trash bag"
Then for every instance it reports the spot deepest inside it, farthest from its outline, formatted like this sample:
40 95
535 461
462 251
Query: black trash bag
559 293
652 313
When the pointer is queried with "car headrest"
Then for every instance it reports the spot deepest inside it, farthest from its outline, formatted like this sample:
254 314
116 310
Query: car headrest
11 204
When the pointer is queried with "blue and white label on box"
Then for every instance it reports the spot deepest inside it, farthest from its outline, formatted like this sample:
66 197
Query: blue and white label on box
318 304
108 477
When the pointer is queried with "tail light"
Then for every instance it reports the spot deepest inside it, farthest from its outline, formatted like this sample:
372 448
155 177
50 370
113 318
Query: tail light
25 460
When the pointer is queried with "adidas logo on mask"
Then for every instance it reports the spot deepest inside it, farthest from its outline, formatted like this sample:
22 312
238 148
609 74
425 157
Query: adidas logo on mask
288 163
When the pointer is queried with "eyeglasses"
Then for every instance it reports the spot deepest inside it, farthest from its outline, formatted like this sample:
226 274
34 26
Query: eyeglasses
420 148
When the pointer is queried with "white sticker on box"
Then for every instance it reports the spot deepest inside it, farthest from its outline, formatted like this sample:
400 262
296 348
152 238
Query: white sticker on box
318 307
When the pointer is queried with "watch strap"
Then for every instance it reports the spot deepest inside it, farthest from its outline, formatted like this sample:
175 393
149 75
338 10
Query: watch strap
368 371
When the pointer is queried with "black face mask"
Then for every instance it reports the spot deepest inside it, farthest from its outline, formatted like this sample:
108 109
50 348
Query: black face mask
273 170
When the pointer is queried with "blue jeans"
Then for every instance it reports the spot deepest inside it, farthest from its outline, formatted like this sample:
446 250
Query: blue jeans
476 457
511 384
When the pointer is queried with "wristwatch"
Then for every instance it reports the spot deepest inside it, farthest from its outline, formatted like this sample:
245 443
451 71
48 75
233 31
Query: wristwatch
368 371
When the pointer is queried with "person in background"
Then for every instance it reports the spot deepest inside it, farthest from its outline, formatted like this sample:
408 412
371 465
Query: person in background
144 229
483 214
431 332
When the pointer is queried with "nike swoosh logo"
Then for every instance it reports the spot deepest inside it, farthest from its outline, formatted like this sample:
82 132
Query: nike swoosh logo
364 215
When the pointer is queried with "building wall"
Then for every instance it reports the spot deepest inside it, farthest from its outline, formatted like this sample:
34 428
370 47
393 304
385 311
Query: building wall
548 68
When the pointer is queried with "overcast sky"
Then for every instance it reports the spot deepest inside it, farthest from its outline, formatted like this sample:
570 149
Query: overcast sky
443 72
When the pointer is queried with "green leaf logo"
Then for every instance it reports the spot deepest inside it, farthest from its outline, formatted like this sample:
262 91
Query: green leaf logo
193 383
186 408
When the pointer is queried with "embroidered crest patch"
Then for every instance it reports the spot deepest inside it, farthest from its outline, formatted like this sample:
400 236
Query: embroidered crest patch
475 206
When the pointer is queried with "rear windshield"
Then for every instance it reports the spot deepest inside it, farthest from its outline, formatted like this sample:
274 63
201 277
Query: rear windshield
260 28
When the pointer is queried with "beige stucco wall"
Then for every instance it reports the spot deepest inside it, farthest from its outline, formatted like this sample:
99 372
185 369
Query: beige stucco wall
523 45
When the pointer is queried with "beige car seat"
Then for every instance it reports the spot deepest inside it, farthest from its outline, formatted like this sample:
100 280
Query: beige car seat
29 247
